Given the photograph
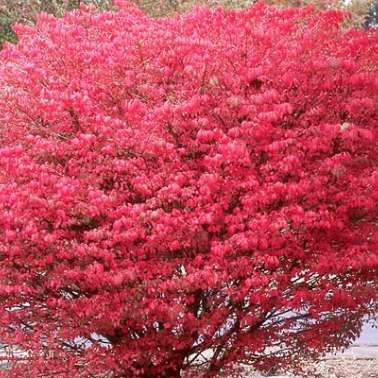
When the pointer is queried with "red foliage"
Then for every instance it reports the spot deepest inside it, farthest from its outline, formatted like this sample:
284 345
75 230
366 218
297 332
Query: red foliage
170 186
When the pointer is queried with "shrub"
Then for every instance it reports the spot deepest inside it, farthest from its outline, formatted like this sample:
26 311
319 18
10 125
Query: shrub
26 11
169 187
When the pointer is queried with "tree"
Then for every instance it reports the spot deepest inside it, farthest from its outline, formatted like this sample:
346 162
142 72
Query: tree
178 189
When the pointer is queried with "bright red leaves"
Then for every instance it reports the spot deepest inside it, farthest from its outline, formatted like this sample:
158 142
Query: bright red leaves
177 185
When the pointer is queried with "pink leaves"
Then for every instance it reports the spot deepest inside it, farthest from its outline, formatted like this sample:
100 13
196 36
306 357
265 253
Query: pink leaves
206 136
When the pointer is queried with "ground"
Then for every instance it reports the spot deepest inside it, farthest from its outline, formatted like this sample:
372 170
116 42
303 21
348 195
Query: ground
356 362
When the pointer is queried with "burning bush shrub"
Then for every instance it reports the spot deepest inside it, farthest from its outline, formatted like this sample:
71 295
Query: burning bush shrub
203 183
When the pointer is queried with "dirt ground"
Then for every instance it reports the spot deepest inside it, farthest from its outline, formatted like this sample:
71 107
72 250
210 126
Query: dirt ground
356 362
348 367
337 367
359 361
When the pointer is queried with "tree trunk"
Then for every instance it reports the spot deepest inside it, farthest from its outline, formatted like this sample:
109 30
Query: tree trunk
169 369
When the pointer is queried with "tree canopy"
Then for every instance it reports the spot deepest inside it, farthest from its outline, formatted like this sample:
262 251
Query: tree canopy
189 192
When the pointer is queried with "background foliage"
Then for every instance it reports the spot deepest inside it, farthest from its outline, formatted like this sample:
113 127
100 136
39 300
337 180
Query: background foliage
358 8
26 11
371 19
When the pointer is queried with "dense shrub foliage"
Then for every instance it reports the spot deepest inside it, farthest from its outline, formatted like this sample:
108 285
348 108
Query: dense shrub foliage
179 185
26 11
